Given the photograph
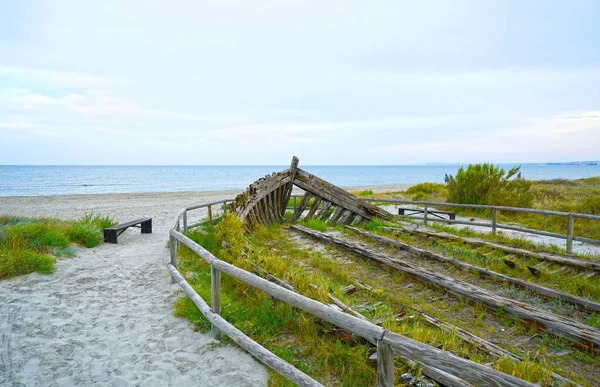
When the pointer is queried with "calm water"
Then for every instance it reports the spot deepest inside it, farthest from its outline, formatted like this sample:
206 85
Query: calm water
58 180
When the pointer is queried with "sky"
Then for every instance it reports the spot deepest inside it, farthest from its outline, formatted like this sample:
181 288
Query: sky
333 82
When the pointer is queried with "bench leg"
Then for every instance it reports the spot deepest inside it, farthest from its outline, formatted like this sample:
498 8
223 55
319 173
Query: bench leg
110 236
147 227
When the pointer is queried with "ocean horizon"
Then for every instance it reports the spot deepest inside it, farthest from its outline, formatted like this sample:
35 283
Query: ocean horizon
42 180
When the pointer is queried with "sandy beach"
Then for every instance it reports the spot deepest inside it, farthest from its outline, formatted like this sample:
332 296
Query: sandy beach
105 315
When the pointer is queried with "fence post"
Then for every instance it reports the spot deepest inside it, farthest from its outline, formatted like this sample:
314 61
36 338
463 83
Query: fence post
177 244
425 214
185 222
224 207
173 249
570 225
385 365
210 214
294 204
494 221
215 285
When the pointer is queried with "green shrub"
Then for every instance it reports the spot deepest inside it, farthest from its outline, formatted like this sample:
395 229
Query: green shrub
589 205
84 234
38 236
366 192
99 221
23 261
428 191
489 184
426 188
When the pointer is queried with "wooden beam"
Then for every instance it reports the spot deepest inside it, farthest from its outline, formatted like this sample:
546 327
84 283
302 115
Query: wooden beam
313 208
485 273
337 196
324 208
581 334
335 214
345 216
302 205
558 259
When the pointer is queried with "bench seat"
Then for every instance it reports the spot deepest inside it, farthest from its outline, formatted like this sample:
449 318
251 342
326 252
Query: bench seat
111 233
451 215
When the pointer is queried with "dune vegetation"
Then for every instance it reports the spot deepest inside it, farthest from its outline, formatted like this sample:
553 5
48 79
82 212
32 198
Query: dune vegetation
32 244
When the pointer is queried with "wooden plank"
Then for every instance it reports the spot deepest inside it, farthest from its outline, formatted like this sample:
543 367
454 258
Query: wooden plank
345 216
483 344
345 307
335 214
337 196
385 365
356 220
324 208
485 273
477 374
581 334
215 284
558 259
258 190
302 205
313 208
290 187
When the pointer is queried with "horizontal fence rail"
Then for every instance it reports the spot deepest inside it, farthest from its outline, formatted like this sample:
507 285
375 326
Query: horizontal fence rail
388 343
495 225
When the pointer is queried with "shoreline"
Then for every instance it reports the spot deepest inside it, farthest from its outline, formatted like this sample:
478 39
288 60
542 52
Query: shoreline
374 188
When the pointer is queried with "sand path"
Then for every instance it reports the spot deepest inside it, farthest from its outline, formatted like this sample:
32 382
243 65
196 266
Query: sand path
105 316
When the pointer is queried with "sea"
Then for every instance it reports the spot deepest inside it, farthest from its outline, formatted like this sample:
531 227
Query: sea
37 180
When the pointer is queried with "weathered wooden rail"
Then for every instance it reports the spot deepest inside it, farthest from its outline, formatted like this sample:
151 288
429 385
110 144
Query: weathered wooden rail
547 257
266 200
494 223
581 334
388 343
543 291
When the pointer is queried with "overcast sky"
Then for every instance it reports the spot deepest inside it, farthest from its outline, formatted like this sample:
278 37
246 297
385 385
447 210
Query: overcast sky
333 82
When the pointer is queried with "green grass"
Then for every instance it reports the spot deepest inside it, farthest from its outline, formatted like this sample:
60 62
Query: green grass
315 224
317 348
32 244
366 192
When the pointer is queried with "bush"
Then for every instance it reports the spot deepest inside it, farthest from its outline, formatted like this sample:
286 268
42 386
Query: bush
84 234
38 236
589 205
491 185
99 221
366 192
426 188
427 191
23 261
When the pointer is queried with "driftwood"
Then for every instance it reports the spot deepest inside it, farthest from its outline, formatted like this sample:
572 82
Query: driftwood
484 273
265 200
483 344
558 259
581 334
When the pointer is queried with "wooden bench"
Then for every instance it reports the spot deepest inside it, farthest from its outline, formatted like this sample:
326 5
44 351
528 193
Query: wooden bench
111 233
451 215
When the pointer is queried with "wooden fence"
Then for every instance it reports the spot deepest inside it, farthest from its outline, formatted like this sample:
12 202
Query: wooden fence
494 223
448 368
